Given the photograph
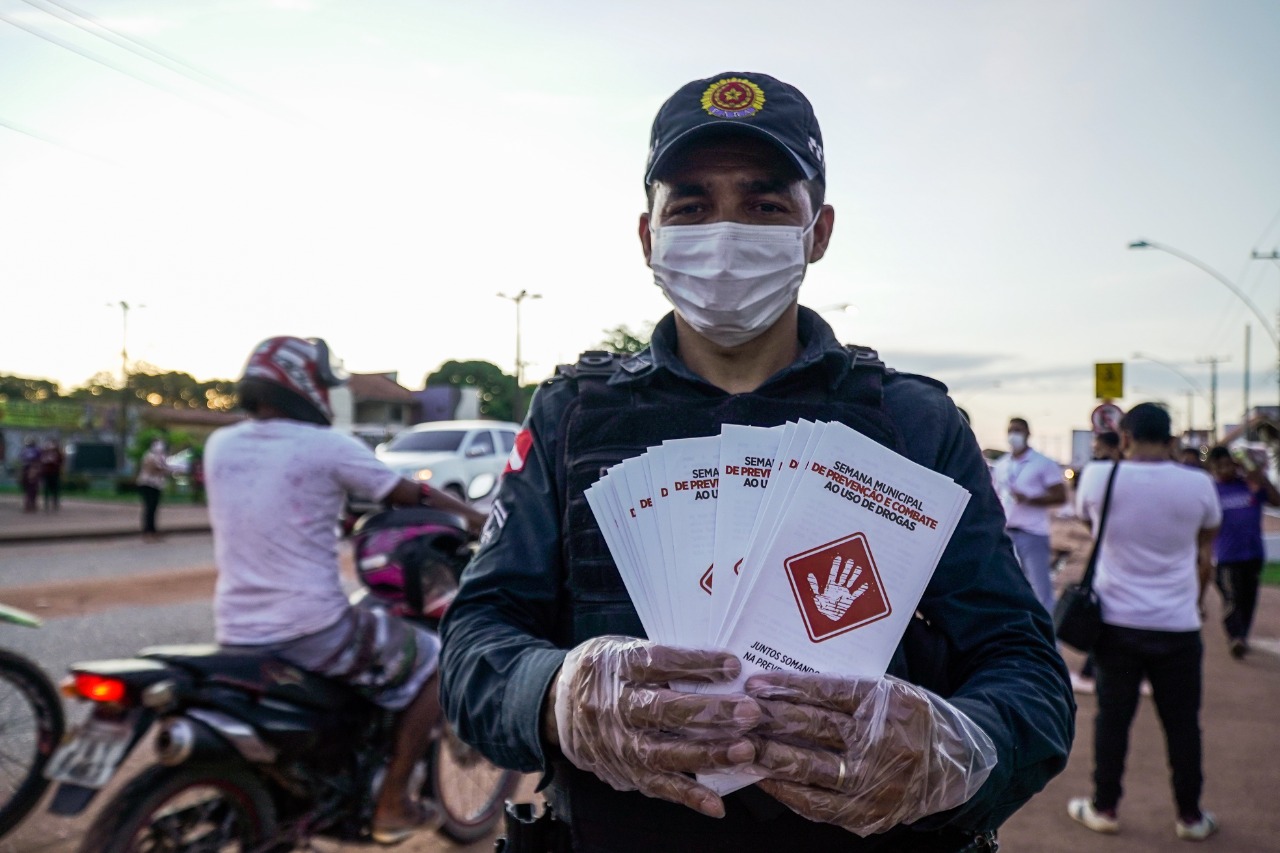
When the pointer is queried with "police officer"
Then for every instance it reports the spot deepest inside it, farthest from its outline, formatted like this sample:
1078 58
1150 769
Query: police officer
544 668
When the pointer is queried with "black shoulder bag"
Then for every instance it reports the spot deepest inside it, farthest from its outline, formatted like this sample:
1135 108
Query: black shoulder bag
1077 617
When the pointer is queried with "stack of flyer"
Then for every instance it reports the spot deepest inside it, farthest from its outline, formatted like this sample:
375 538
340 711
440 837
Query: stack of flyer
802 547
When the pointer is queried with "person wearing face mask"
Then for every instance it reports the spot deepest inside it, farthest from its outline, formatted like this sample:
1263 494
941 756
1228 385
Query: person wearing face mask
545 667
153 475
1029 483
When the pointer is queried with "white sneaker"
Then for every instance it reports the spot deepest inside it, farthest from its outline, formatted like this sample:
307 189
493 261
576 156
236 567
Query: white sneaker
1199 830
1082 684
1081 809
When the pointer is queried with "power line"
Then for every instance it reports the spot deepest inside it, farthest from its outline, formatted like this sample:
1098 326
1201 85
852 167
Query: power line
1267 230
66 45
169 61
50 140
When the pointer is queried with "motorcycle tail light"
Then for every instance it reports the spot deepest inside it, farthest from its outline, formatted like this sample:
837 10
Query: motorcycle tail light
99 688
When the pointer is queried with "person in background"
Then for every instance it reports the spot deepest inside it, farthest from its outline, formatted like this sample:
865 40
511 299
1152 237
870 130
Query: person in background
29 474
1154 561
1029 483
1239 551
153 476
1190 456
1106 447
51 474
197 475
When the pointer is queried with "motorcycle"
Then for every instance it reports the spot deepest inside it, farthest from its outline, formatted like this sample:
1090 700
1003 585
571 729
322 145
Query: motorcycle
255 753
31 725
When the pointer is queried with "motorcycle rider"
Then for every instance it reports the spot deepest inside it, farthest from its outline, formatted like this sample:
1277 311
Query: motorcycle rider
277 484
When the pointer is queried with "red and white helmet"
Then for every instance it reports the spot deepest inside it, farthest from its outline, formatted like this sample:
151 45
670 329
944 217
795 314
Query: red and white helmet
304 367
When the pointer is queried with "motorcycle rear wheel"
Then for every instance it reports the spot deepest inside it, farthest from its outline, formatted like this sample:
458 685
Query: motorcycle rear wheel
471 792
31 725
184 808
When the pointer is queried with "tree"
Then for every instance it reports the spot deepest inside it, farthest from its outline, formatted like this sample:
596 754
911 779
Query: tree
100 386
621 339
177 390
171 389
497 389
31 390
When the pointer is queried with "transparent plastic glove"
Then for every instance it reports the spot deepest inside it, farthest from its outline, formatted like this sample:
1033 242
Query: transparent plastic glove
865 754
617 717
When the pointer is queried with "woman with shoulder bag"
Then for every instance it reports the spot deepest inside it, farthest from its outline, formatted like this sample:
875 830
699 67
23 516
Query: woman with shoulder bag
1153 562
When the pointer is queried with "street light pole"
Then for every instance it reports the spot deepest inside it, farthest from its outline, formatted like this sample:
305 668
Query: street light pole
1274 257
517 299
1230 285
1213 361
124 377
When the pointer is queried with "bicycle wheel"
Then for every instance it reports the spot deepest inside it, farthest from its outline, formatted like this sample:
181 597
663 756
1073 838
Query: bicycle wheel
31 725
471 791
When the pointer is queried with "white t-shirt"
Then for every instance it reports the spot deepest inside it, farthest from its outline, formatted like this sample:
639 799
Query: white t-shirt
1146 575
276 489
1031 474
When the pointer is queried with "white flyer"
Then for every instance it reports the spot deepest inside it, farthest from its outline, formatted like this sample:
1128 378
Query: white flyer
853 553
655 472
792 455
648 543
742 448
854 550
693 478
602 499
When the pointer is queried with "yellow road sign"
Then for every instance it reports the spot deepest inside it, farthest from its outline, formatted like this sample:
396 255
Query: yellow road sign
1108 380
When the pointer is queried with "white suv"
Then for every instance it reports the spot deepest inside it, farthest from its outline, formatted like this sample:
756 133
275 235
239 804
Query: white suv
464 458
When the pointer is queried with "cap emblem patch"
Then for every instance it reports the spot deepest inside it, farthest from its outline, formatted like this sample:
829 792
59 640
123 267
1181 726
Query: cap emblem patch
733 97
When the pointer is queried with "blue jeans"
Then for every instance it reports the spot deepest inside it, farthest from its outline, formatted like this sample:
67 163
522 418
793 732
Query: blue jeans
1171 661
1033 555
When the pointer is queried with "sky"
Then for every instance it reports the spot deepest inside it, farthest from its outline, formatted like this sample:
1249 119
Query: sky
377 173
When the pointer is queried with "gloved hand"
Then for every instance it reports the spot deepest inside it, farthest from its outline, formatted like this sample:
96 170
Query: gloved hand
865 754
617 717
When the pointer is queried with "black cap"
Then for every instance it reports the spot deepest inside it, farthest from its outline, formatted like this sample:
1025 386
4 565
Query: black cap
756 103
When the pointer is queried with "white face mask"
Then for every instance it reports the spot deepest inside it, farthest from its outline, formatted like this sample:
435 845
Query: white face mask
729 281
1017 442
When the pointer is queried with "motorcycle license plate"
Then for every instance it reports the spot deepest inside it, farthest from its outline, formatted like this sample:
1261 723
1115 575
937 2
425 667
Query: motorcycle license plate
91 757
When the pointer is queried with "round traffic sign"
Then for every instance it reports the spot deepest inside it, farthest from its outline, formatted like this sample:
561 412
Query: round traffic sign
1106 418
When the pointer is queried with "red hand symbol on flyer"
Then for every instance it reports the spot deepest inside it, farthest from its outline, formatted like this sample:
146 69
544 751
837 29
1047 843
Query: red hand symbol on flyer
840 591
837 587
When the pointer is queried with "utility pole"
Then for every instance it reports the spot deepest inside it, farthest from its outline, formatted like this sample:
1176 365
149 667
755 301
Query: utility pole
1245 422
124 379
1213 362
517 409
1274 256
